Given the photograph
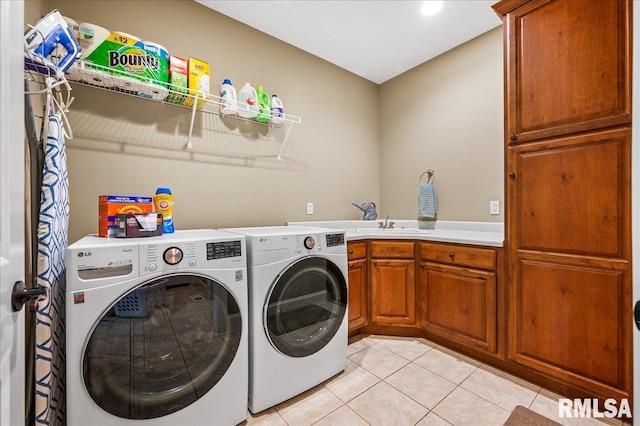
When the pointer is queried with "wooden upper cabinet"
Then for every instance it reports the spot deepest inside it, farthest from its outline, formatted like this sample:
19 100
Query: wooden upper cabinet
568 67
571 195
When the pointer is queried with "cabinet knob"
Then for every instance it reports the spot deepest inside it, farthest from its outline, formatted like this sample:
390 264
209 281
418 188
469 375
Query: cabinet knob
513 137
451 255
350 251
512 175
375 262
422 264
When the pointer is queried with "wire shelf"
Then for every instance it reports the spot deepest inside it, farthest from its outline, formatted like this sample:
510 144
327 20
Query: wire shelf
93 75
105 78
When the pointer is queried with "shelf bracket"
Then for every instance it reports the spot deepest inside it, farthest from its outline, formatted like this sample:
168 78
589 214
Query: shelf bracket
286 136
193 118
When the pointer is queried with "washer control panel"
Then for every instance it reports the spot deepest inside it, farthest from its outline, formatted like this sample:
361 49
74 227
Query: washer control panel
184 255
224 249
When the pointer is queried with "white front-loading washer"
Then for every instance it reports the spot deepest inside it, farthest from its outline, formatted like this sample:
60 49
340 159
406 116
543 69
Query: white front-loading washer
157 330
297 310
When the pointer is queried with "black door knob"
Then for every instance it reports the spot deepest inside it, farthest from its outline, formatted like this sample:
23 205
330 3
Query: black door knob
21 295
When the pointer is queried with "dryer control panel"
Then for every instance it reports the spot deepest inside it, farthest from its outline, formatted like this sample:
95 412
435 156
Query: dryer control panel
329 242
334 240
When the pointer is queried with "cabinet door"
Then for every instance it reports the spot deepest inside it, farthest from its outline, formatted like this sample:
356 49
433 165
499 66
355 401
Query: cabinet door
459 304
393 292
358 297
569 67
571 195
572 320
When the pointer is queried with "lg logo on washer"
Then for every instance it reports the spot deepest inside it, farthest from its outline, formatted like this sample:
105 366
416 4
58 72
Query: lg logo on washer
84 253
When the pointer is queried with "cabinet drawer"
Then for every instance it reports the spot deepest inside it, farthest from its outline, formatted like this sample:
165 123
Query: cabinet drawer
357 250
458 255
392 249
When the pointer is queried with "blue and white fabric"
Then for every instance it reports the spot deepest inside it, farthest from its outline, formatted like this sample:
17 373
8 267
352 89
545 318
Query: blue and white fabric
427 200
53 227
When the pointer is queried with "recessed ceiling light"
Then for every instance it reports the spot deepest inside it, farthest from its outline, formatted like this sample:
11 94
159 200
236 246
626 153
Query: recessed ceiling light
431 7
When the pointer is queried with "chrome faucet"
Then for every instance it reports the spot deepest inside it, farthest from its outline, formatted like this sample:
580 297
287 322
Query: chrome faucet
386 224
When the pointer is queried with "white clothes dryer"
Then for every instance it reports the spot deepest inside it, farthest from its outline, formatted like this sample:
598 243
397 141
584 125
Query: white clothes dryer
297 310
157 330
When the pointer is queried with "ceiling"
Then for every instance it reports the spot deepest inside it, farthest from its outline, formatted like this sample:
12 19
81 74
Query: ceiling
376 40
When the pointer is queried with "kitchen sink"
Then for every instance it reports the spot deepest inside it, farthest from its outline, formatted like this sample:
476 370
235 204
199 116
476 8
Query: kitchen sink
391 231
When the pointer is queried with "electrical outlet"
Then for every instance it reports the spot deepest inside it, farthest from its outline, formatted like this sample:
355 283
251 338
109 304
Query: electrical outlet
494 207
309 208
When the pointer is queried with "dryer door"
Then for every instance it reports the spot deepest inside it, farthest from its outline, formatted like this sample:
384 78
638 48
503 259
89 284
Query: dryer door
162 346
306 306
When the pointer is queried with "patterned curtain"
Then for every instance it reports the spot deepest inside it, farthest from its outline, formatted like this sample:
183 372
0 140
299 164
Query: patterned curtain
52 244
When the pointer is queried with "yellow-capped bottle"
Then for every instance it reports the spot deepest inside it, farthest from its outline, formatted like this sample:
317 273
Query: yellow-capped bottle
163 202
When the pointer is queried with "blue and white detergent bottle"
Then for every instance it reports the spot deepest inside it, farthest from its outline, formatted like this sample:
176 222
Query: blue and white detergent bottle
277 110
228 98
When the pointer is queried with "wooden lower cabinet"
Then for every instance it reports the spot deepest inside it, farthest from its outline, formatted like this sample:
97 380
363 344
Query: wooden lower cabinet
572 321
358 285
460 304
393 283
456 301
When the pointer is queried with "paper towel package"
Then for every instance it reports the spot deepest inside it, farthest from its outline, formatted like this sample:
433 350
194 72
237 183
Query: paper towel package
156 86
126 56
199 72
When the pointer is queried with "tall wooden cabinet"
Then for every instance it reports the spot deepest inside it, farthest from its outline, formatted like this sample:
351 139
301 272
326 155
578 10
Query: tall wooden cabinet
568 189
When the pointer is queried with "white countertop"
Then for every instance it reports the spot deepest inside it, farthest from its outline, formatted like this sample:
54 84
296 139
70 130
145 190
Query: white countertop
477 233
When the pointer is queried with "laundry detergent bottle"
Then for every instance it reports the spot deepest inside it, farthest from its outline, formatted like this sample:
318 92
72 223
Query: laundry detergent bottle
277 110
248 106
228 98
163 202
265 106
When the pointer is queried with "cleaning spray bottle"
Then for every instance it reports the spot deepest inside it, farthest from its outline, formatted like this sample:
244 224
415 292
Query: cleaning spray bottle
163 202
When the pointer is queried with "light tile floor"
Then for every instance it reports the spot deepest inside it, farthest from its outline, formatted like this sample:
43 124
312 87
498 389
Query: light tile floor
399 381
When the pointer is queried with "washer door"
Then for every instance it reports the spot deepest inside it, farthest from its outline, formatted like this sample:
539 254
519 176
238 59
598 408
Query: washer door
162 346
306 306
